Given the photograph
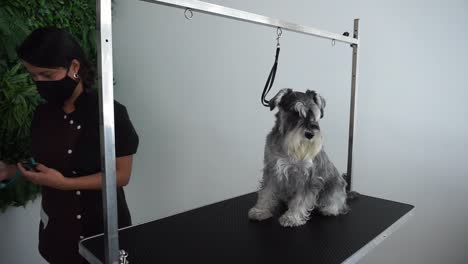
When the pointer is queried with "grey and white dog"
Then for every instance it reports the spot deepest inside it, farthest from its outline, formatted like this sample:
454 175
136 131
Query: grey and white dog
297 171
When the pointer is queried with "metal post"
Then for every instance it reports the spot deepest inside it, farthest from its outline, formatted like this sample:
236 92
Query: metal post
106 109
352 111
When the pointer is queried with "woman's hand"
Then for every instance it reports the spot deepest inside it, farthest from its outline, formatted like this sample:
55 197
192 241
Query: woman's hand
46 176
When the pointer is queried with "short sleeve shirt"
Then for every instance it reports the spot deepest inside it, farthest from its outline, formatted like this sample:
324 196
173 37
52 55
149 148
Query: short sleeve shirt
70 143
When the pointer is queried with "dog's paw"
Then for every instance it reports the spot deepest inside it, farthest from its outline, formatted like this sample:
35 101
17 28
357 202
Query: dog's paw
330 210
289 220
259 214
334 210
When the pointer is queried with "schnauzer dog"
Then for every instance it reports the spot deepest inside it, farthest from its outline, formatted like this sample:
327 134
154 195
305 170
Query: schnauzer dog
297 171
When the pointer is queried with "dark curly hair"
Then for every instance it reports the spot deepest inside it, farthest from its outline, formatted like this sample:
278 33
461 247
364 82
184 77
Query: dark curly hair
52 47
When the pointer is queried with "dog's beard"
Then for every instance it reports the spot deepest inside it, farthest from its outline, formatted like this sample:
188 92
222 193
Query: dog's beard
301 148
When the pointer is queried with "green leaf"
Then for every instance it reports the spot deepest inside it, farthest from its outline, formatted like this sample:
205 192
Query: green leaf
18 95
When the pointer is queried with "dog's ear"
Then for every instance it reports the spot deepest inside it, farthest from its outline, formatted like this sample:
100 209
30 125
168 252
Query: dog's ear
322 104
277 98
318 100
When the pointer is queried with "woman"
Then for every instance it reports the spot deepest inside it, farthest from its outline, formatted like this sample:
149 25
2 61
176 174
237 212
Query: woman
66 145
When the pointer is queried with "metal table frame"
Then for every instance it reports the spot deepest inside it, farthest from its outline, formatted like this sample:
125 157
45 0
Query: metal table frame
105 76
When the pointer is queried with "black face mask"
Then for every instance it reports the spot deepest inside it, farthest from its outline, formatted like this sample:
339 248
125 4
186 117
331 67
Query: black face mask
56 92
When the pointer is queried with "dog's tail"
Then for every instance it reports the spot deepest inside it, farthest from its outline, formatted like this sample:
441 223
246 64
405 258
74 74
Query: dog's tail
351 195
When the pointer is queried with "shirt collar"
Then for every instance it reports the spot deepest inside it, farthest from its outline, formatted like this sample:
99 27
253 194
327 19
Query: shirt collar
86 98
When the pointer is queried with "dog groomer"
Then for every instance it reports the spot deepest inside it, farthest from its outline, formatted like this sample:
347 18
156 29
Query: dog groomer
66 145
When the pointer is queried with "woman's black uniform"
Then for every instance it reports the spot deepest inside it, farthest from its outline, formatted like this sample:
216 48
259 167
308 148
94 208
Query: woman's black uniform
70 143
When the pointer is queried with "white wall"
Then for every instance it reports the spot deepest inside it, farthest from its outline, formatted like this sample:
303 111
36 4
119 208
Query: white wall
192 89
19 229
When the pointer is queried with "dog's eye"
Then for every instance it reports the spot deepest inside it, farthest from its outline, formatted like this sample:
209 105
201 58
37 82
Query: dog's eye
297 114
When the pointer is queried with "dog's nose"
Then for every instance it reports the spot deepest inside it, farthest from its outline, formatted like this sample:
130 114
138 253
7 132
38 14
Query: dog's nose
308 135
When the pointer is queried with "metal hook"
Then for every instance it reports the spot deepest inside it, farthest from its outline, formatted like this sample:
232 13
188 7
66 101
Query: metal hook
333 43
123 255
188 13
279 32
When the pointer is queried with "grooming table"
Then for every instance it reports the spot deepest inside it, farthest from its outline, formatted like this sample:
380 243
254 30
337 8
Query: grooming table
222 233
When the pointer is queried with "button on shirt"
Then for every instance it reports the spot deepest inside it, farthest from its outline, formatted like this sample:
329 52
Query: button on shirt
70 143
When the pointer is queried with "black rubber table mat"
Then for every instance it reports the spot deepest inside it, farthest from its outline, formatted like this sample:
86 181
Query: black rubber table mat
222 233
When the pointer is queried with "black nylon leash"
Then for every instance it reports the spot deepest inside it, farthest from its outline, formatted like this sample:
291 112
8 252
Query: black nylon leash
270 80
271 76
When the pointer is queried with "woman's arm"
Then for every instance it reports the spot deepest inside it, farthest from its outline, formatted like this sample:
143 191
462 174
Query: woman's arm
94 181
52 178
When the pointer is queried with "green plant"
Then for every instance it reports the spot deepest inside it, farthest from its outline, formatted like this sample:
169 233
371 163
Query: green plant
18 99
18 96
